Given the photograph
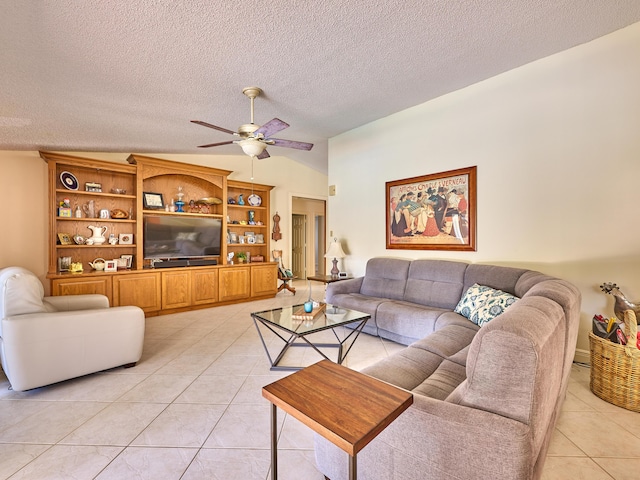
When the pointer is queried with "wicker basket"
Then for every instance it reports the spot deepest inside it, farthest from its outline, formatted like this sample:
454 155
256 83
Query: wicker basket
615 368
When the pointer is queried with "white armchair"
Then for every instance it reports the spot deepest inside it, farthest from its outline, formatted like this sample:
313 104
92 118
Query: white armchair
44 340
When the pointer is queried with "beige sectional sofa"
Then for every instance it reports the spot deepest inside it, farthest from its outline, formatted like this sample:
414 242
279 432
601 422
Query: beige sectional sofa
486 397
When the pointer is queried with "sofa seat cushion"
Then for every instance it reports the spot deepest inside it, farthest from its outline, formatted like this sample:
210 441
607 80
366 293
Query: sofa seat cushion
452 318
441 383
361 303
414 321
433 366
446 342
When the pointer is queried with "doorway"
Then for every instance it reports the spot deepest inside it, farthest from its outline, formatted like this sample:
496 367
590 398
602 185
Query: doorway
308 233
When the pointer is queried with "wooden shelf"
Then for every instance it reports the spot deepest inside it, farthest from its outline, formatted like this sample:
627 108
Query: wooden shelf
94 194
245 207
181 214
108 245
95 220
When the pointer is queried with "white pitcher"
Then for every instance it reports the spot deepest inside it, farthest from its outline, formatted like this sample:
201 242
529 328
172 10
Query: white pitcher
97 234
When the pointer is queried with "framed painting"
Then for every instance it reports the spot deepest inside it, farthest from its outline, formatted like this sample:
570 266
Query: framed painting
432 212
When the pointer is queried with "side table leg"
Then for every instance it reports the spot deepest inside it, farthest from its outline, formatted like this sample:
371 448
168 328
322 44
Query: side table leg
353 467
274 442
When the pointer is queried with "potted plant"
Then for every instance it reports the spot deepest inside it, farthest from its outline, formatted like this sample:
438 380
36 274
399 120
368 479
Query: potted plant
242 257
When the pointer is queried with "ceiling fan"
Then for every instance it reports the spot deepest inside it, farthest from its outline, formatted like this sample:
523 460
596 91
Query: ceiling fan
254 139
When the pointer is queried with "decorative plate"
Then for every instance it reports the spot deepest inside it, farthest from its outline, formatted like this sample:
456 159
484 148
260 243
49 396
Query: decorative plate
254 200
79 239
69 181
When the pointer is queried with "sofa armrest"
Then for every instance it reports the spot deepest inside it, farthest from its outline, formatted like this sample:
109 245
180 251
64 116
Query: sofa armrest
440 440
351 285
67 303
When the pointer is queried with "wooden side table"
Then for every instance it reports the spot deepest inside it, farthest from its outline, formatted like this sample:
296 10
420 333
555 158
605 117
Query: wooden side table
346 407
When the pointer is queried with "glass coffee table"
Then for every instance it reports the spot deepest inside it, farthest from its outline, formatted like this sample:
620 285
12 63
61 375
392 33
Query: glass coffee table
298 332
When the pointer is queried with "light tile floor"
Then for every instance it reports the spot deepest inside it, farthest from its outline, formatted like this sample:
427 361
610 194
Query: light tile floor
192 409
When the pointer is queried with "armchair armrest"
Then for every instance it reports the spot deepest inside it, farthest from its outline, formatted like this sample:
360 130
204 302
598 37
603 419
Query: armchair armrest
67 303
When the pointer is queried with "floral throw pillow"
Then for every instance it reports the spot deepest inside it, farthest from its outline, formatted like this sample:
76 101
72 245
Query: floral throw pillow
481 304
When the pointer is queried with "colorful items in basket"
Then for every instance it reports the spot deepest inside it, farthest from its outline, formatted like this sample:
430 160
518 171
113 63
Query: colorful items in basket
611 329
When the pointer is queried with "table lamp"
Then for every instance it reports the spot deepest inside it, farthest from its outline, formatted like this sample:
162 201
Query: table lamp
335 251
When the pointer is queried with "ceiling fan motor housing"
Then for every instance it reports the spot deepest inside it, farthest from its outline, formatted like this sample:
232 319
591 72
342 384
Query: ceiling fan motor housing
247 129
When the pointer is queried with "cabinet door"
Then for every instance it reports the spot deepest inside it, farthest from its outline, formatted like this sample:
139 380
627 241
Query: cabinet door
176 289
235 283
141 290
82 286
264 280
204 286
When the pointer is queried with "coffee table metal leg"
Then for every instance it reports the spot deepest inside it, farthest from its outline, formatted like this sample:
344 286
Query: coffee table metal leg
353 467
274 442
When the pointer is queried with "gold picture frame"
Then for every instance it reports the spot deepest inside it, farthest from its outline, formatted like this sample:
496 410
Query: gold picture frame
65 239
432 212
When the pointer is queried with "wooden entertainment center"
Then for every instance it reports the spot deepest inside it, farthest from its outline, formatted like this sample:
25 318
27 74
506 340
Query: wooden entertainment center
109 194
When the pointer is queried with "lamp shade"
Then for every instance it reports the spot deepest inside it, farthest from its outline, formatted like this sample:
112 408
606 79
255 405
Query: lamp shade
252 147
335 250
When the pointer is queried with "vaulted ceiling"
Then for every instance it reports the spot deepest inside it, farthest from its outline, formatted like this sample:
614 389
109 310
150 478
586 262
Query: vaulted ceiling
128 76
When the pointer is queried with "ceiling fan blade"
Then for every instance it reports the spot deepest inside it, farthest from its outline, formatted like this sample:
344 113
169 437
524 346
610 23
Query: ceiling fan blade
215 127
291 144
215 144
264 154
272 126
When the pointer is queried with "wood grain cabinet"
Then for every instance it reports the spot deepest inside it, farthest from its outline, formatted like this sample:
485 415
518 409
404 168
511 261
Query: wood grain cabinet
85 193
140 289
235 283
264 280
204 286
83 285
176 289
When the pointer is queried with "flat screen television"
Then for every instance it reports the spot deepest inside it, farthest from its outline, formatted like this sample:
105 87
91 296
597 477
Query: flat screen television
168 237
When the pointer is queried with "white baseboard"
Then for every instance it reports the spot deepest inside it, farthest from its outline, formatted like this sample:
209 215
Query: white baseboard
582 356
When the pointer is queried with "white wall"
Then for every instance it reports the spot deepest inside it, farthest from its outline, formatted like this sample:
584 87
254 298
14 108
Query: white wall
24 204
557 145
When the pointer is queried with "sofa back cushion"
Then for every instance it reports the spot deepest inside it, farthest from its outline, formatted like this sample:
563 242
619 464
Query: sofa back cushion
437 283
500 278
385 277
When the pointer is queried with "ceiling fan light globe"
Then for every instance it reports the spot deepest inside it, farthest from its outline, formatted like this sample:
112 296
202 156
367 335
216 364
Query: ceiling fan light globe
252 147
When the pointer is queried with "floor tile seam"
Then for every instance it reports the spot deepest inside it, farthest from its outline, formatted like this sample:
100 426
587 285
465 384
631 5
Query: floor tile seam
601 468
106 405
565 455
623 457
564 434
34 458
59 442
226 409
625 426
125 449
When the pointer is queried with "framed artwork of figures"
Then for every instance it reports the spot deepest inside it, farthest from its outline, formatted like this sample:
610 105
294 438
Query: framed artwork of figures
433 212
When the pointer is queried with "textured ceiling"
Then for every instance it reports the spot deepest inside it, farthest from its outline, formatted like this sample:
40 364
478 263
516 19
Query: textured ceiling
127 76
